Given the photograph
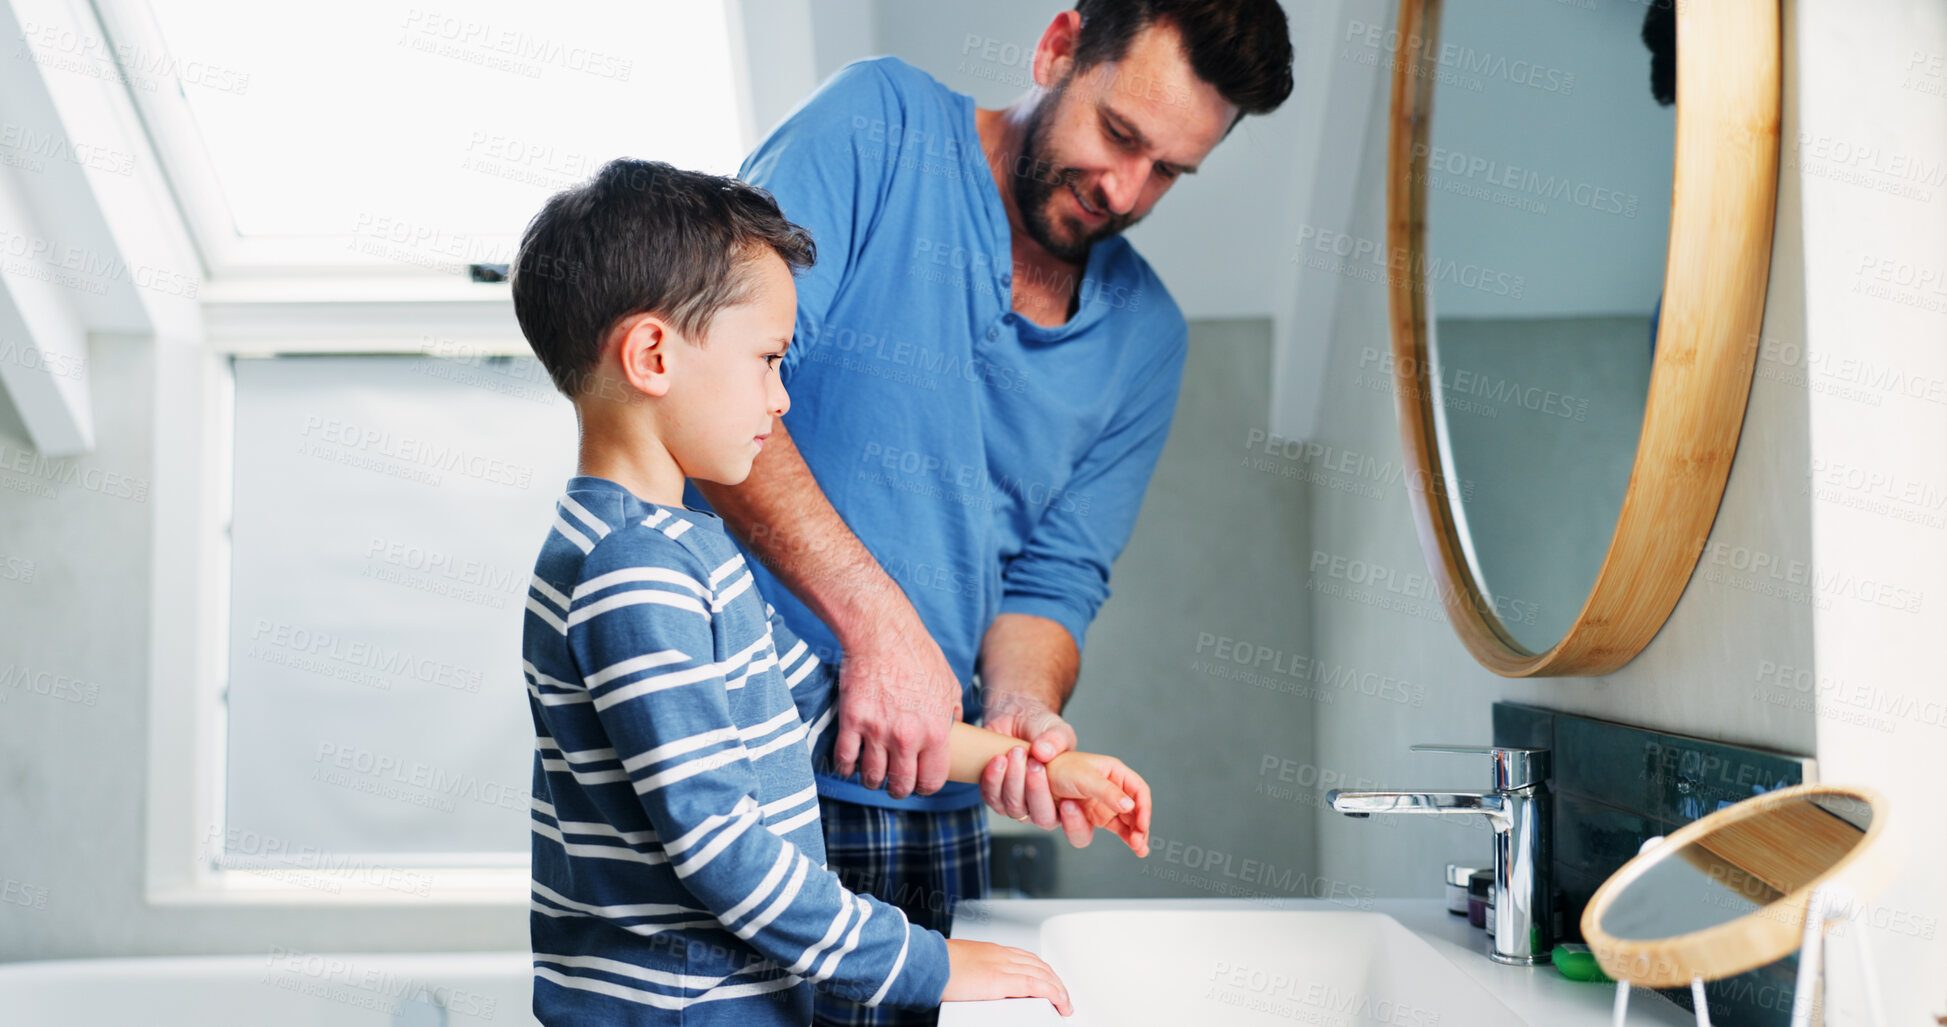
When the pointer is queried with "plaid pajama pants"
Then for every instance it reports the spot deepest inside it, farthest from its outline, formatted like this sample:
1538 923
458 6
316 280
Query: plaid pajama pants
921 861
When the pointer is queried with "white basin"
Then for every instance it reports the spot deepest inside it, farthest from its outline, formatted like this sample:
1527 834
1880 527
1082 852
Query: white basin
1252 967
1292 962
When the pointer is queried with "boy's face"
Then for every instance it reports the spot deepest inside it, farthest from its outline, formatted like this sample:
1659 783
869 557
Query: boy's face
725 395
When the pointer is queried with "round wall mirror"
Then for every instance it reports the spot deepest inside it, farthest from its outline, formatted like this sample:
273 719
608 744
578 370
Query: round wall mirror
1729 892
1584 207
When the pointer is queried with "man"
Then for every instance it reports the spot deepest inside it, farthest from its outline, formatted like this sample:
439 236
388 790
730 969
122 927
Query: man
982 376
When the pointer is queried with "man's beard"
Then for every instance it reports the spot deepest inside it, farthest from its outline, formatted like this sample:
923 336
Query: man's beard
1037 192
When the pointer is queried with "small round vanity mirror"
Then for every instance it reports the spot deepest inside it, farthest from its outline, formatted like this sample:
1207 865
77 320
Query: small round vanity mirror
1730 892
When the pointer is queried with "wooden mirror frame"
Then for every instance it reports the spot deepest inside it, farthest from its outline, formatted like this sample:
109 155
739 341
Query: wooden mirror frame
1757 938
1724 192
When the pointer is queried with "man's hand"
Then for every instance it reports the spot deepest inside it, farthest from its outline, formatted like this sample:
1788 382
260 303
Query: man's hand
1016 783
897 698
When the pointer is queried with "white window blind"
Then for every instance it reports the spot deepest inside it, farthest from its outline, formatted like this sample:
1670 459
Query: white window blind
387 512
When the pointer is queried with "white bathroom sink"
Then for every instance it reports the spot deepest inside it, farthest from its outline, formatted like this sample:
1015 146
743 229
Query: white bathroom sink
1259 967
1190 962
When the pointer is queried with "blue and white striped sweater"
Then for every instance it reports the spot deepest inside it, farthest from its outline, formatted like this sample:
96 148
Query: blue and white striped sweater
678 862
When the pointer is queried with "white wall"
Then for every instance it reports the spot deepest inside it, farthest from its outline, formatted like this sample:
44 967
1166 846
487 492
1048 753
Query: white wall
1871 93
1864 119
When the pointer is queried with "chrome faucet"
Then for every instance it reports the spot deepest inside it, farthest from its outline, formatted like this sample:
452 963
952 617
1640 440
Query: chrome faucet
1518 807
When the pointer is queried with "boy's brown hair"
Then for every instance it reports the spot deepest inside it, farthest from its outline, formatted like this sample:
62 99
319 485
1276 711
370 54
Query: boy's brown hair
641 237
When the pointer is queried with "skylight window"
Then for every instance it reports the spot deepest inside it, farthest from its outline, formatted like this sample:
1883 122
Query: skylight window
404 135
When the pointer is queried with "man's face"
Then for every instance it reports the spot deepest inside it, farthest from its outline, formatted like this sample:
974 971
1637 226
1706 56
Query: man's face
1104 144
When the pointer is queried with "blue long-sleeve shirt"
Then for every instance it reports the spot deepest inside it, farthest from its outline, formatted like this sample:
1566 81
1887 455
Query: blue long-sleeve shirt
677 857
991 465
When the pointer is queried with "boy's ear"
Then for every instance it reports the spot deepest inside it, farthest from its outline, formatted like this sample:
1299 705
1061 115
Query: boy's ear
643 353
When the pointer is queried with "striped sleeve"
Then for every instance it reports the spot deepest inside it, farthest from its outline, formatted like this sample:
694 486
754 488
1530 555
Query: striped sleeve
640 629
814 689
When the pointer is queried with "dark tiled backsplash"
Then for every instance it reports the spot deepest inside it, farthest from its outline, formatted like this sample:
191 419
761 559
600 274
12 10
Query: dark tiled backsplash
1615 786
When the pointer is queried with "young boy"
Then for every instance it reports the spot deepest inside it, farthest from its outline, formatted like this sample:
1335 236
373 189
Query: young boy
678 860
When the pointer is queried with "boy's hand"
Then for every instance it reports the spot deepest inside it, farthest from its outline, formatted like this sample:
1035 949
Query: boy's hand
980 970
1015 785
1107 793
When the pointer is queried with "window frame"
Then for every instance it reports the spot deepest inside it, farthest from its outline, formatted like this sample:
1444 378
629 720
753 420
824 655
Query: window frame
188 835
269 297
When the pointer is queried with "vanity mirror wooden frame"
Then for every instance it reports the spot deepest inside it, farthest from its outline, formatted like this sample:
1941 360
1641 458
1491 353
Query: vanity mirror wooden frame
1771 834
1719 261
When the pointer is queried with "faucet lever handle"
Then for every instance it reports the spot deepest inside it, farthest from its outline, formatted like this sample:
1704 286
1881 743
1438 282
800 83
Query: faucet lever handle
1514 767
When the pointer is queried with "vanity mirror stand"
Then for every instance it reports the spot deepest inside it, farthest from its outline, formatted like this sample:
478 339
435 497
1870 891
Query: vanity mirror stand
1828 903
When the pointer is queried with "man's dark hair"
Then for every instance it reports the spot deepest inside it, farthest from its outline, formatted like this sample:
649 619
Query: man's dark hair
641 237
1660 35
1241 47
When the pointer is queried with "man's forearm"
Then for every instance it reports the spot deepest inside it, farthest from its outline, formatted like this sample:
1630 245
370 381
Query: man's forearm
897 694
782 514
1031 658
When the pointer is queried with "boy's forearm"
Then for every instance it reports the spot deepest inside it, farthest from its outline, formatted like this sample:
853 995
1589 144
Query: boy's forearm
972 749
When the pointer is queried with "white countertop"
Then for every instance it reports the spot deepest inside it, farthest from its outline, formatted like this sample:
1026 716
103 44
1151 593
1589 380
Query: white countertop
1540 994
